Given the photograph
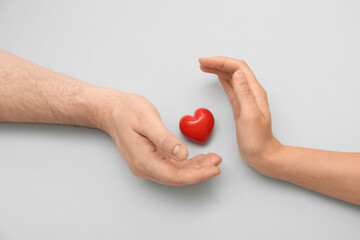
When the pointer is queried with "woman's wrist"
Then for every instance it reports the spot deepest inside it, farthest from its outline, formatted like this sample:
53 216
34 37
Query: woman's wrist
275 163
267 160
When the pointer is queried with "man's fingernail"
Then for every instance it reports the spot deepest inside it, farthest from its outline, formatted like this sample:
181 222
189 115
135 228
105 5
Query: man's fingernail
239 77
179 152
176 149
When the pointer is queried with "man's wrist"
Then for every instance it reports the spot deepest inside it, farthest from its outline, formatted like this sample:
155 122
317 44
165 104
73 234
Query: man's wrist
102 103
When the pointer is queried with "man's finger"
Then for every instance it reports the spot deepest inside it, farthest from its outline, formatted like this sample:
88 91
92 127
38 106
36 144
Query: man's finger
192 175
172 172
195 172
164 140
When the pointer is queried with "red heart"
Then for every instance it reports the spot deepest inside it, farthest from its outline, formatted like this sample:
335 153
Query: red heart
198 127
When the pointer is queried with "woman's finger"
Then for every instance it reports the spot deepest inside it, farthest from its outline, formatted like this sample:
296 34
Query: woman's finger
231 65
245 96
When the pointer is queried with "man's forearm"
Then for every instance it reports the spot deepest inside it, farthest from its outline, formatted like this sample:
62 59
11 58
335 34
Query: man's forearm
336 174
31 93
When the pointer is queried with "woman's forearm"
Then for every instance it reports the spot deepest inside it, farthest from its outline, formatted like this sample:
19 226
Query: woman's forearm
336 174
31 93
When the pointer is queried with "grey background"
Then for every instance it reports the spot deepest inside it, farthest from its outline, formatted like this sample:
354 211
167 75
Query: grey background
60 182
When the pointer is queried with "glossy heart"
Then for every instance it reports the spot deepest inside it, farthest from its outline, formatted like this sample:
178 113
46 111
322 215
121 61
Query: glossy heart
198 127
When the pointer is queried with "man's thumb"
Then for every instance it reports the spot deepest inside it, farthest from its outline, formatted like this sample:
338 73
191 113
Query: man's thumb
166 142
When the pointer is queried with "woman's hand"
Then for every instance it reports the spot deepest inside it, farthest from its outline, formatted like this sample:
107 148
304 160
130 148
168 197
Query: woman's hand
149 149
335 174
257 145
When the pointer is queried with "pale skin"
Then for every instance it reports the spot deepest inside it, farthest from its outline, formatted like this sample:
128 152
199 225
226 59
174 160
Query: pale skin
336 174
30 93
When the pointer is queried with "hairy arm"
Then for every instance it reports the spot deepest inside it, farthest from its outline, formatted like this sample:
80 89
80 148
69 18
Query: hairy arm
336 174
31 93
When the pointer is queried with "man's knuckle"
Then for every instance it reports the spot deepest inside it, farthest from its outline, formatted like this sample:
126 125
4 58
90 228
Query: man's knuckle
178 184
222 65
161 141
178 180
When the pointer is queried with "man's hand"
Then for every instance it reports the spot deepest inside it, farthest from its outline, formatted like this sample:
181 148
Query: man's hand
257 145
149 149
31 93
